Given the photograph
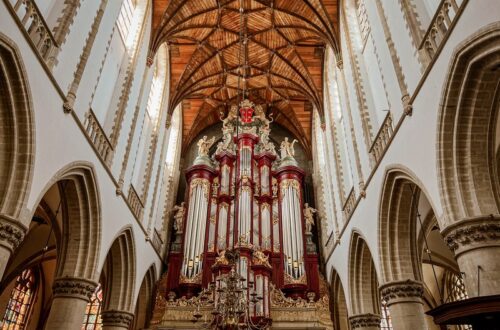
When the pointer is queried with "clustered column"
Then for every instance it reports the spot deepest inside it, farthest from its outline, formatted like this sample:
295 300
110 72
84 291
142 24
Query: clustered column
476 243
365 321
11 235
404 299
116 320
71 296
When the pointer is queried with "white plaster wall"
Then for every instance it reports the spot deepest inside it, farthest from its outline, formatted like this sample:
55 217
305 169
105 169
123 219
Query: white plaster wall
414 145
59 142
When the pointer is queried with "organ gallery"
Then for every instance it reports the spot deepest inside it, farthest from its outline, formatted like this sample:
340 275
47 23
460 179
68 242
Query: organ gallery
244 220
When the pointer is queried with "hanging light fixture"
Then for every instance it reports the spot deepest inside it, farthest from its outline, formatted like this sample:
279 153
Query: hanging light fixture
231 301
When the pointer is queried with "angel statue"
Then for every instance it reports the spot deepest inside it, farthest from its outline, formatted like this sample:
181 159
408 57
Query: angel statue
309 216
286 148
204 145
179 216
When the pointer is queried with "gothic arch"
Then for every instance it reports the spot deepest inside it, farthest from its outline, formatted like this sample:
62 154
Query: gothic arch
120 266
17 131
397 230
363 283
340 311
78 251
144 303
467 129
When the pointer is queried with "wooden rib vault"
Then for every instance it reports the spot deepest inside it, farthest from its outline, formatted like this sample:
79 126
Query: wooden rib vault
283 42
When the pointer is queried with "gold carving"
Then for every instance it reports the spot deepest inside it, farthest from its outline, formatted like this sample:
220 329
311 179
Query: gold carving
259 258
221 259
201 182
289 182
290 280
191 280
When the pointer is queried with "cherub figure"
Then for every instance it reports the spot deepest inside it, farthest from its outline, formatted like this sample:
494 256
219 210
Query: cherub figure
204 145
309 216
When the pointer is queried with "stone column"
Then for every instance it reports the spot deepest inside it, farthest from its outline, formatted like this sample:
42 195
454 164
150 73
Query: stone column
11 235
476 243
116 320
366 321
405 305
71 296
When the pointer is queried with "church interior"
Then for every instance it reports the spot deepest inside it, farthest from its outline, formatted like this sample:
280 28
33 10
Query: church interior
249 164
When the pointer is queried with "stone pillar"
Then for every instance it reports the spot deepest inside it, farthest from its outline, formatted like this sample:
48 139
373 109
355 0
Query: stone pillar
366 321
71 296
405 305
116 320
11 235
476 244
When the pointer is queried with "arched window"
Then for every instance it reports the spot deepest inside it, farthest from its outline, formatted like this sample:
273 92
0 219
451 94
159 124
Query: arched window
150 125
385 320
455 286
92 320
21 299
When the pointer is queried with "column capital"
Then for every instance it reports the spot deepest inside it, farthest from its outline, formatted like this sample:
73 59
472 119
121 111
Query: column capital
74 287
473 233
402 291
365 320
11 232
116 318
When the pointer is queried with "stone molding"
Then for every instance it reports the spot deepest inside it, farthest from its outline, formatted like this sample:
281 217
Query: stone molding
11 232
473 233
116 318
365 321
402 291
74 287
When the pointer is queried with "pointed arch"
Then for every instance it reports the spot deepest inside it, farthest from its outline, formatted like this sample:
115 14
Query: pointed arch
81 227
79 248
144 303
397 229
340 310
17 131
467 141
120 266
363 283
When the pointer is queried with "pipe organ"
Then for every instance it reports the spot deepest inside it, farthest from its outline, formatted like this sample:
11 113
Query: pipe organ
245 197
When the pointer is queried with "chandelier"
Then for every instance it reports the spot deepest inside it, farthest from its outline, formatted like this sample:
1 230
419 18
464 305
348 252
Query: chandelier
230 301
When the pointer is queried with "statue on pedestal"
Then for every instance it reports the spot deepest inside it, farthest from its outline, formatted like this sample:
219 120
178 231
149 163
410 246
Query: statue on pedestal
309 217
204 145
287 149
179 216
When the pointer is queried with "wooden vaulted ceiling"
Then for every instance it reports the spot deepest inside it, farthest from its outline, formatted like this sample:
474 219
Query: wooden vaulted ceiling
282 43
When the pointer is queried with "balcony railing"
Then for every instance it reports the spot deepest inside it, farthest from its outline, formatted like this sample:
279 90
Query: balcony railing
349 204
157 242
380 142
98 137
31 19
440 27
135 202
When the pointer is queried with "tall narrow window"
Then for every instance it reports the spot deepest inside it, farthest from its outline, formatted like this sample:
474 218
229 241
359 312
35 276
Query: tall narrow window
174 137
125 18
92 320
21 299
